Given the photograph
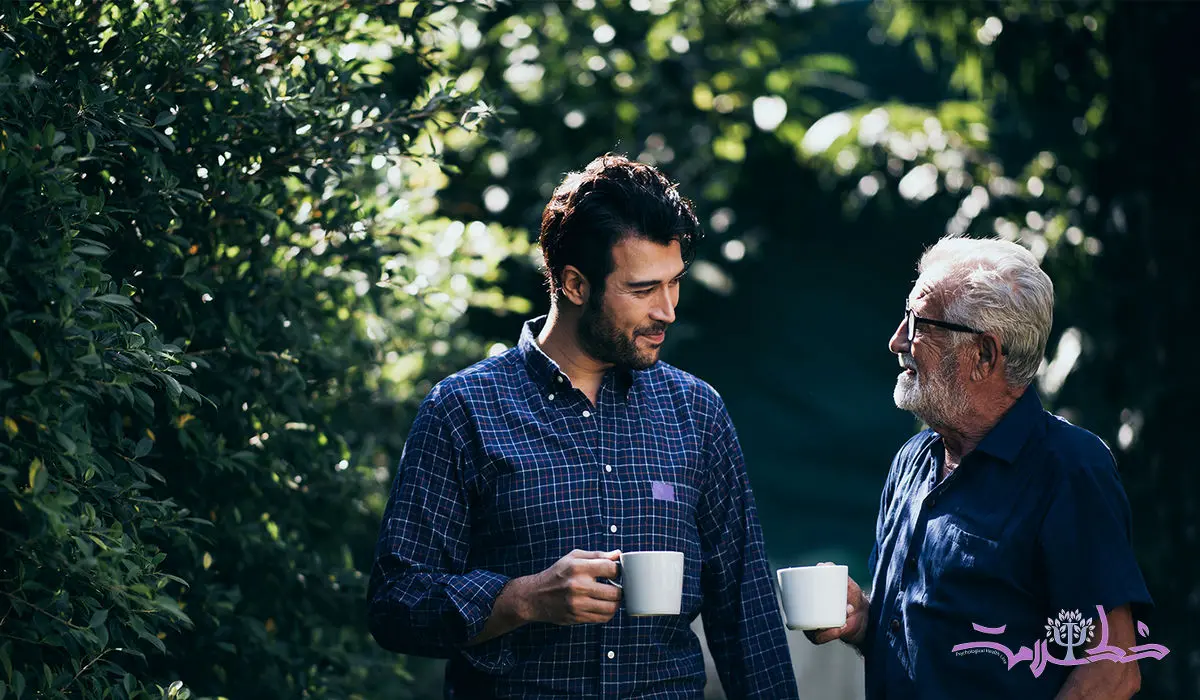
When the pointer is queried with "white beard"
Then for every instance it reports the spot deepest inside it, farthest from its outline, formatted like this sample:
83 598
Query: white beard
932 396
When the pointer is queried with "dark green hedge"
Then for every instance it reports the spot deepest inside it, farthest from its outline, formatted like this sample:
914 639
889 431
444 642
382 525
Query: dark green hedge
223 288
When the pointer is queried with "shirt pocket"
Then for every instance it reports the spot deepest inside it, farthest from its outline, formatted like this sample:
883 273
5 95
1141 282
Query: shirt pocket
666 517
963 572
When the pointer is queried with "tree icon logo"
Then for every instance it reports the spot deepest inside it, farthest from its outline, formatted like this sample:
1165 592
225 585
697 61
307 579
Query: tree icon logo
1070 630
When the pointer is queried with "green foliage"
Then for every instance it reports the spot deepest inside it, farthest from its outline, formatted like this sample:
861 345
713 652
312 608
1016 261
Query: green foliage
708 91
224 286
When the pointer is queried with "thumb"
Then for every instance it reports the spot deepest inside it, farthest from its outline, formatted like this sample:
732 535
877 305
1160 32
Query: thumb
614 555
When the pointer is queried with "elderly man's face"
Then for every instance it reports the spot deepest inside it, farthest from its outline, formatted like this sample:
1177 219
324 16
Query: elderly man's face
930 385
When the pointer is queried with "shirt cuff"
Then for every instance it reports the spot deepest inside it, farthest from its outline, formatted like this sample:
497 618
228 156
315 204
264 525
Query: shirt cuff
474 596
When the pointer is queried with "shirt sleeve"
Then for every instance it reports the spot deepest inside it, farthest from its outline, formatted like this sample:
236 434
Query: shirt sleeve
422 598
885 500
874 587
1086 543
742 622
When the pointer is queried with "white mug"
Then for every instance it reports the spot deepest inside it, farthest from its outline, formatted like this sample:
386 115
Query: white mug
814 597
651 583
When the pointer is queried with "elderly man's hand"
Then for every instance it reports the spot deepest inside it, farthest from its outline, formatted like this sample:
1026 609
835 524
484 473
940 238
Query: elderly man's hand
855 629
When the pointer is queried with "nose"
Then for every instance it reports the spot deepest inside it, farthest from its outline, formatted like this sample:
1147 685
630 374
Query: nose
898 344
664 310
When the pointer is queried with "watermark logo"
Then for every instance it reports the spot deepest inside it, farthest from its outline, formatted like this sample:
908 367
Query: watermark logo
1072 631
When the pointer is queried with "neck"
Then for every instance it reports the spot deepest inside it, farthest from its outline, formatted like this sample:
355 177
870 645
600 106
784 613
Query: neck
559 339
974 424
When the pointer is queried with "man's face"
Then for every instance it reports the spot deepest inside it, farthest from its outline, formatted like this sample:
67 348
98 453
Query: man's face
626 326
930 385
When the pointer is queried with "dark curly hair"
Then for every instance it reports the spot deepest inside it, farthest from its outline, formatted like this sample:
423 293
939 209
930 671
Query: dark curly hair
610 199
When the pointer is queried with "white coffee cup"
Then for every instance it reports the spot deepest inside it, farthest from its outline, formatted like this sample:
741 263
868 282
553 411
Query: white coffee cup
814 597
652 583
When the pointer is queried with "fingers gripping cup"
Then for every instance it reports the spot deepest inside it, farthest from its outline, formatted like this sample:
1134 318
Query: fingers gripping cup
652 583
814 597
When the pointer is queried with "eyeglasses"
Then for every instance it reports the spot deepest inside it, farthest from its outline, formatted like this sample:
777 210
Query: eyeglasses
911 320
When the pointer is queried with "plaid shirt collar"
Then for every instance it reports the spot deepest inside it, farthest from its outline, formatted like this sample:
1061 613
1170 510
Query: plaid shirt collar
546 373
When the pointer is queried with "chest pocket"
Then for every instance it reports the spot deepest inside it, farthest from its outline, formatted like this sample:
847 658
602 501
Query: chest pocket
665 516
962 571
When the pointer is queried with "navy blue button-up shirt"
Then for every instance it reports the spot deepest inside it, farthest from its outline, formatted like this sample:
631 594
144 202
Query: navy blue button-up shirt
507 468
1034 522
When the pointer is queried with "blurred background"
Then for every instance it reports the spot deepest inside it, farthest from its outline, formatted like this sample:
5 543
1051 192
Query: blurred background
242 240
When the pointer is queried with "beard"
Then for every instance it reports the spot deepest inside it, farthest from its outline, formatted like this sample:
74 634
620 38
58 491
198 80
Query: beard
933 396
603 340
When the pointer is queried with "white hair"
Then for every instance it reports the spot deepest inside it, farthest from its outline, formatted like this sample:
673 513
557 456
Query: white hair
996 286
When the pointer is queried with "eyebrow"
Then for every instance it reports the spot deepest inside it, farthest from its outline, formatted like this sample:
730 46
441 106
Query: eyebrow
645 284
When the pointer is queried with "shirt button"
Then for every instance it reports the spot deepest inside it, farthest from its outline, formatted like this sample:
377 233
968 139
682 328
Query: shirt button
551 397
559 378
612 528
608 468
612 654
587 414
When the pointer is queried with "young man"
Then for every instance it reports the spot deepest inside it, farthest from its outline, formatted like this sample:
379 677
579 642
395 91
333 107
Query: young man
525 476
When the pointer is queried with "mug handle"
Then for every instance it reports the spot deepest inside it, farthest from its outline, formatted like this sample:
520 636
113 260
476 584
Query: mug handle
612 582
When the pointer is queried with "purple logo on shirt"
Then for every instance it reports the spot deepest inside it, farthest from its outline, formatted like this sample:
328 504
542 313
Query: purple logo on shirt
662 491
1071 631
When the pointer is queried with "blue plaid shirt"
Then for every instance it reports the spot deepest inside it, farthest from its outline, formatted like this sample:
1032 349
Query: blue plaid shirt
507 468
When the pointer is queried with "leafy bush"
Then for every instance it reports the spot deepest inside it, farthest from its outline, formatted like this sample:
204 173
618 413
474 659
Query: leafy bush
224 286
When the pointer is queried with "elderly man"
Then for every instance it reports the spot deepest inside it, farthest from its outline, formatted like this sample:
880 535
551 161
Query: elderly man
1000 514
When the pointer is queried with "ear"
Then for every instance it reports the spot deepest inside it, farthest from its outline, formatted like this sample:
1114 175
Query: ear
575 286
991 358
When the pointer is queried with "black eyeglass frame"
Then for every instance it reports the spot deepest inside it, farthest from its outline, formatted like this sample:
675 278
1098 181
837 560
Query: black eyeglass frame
911 320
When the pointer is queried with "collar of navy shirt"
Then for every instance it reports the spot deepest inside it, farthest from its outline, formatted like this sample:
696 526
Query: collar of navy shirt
1007 438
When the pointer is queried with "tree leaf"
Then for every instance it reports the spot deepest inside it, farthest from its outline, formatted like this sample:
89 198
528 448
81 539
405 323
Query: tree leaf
67 443
26 344
6 659
37 476
173 387
115 299
32 377
143 448
98 618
